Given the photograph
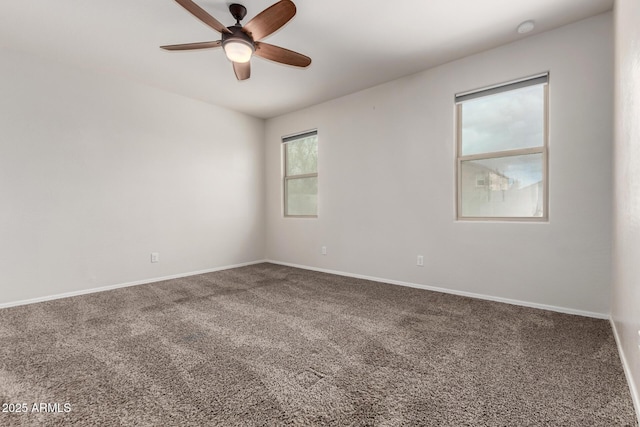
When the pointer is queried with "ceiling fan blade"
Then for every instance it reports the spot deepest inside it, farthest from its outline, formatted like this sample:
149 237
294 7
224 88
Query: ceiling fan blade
270 19
242 70
282 55
189 46
202 15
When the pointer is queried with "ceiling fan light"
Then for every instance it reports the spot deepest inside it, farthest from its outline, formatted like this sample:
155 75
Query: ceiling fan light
238 50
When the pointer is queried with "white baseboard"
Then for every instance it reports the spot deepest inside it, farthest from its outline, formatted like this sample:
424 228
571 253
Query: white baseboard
635 396
322 270
452 291
123 285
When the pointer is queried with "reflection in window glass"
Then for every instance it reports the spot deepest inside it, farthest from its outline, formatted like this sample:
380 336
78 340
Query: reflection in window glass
503 187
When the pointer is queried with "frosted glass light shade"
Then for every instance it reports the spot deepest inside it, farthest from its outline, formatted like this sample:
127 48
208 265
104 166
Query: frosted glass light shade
238 51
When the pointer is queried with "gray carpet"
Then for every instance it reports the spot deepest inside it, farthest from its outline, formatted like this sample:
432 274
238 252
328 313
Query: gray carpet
272 345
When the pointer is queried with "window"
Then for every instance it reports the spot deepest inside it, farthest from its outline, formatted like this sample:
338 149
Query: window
502 151
301 174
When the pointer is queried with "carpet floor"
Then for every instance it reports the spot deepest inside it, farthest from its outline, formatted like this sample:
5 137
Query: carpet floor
268 345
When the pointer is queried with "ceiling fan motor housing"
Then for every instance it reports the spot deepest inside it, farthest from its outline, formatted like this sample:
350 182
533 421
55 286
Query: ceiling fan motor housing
237 35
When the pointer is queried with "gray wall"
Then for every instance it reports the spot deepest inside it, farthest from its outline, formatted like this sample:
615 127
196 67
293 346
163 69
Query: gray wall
386 180
625 310
96 173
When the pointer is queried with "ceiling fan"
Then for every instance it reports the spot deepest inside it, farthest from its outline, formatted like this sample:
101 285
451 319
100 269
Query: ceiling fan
240 43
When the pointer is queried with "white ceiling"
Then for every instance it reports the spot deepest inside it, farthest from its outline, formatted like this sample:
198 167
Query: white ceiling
354 44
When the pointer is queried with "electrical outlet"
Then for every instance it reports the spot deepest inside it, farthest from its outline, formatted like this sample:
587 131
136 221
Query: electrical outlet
420 261
155 257
324 250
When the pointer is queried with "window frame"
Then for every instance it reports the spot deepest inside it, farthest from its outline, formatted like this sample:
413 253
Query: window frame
286 178
543 149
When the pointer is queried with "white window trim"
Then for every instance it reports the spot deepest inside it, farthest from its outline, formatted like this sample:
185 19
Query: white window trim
459 98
